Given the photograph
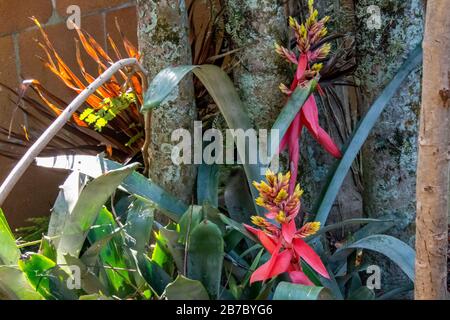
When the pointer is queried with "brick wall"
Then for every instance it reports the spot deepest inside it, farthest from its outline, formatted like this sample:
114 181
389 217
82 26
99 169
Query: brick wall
36 191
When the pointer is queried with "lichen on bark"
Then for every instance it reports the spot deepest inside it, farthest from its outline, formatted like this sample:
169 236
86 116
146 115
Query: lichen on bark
254 27
163 36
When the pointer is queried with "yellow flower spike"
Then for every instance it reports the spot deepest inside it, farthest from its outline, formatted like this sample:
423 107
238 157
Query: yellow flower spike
323 32
298 192
258 221
270 176
282 195
309 229
311 5
281 217
317 67
260 202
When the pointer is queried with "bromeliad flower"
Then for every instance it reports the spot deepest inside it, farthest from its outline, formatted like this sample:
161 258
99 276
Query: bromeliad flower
279 235
311 50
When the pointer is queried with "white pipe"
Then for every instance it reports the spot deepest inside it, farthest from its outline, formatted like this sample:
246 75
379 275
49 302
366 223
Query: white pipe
28 158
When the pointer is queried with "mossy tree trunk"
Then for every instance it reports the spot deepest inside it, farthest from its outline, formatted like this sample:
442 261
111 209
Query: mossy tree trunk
163 35
433 163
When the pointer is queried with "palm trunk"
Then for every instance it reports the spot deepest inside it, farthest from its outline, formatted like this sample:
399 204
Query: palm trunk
433 164
163 41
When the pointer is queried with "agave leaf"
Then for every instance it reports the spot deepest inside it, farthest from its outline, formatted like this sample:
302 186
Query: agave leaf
86 210
186 289
393 248
135 183
205 256
362 133
291 291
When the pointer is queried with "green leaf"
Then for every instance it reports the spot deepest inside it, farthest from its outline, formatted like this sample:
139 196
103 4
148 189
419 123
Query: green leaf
46 277
208 184
9 253
64 204
393 248
362 293
15 286
362 133
155 276
107 252
221 89
342 224
292 108
135 183
238 198
291 291
186 289
47 248
205 256
190 219
86 210
237 226
138 228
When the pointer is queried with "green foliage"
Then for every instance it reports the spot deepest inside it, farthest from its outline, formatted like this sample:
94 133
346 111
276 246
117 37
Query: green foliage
109 109
103 222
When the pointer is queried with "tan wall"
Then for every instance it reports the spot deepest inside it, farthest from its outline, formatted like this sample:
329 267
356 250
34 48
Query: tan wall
37 190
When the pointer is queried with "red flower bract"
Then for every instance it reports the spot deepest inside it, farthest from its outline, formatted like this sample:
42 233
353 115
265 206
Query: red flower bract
281 238
311 51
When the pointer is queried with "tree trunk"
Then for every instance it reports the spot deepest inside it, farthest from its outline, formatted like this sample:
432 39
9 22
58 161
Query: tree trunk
389 155
163 41
254 27
433 164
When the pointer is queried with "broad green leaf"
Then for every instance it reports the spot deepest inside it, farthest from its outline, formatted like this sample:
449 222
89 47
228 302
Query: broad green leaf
205 256
237 226
291 291
46 277
135 183
108 254
208 184
86 210
190 219
186 289
138 228
238 198
393 248
9 253
221 89
361 134
175 248
292 108
47 248
155 276
64 204
15 286
89 282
